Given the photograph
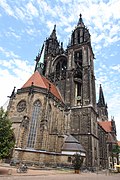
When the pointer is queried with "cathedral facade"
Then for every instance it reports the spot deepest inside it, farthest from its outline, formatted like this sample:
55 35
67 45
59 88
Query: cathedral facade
55 113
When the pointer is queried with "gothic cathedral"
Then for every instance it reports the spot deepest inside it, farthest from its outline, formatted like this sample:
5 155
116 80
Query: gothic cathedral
55 113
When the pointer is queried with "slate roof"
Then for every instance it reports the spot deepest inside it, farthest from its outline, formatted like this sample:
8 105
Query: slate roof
39 81
72 144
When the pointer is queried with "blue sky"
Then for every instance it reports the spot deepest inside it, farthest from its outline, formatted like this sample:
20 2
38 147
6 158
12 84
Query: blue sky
25 24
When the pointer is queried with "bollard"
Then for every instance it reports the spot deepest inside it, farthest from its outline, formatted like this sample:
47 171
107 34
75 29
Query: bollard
9 171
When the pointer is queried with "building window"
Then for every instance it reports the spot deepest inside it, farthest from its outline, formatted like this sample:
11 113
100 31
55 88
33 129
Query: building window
78 94
78 89
61 69
49 112
69 159
21 106
33 125
58 70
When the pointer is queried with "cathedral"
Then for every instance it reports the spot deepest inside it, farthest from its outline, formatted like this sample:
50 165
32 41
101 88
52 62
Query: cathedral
55 113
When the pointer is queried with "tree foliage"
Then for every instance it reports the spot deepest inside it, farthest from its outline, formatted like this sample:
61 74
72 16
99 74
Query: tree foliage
6 135
77 161
116 149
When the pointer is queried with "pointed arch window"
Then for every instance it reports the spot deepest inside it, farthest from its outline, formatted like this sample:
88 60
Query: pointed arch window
58 70
61 68
49 113
33 125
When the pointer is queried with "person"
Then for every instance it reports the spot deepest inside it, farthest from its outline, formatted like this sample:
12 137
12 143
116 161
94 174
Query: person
24 168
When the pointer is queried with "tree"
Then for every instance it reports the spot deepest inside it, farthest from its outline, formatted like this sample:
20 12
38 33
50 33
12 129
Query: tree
6 135
77 162
116 152
116 149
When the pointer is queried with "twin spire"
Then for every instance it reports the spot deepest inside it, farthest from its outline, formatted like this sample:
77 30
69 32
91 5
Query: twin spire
52 45
53 34
101 101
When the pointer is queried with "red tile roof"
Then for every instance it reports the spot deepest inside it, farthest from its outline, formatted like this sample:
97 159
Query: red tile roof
106 125
111 138
118 143
42 82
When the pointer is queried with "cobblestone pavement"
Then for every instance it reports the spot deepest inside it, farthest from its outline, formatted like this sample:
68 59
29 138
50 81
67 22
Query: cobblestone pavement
9 173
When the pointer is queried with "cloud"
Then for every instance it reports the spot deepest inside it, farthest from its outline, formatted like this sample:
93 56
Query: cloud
103 16
116 68
45 8
6 7
14 72
8 53
32 10
12 33
66 1
114 110
20 13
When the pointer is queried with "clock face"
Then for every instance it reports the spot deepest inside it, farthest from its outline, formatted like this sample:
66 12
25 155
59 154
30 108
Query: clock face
21 106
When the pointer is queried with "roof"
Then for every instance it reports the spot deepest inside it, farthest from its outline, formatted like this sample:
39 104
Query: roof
39 81
118 143
106 125
72 144
111 138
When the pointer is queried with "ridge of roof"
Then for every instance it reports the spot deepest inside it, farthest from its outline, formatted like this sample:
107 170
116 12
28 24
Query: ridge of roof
40 81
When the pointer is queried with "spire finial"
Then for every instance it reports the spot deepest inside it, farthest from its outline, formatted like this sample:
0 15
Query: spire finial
55 27
53 34
80 22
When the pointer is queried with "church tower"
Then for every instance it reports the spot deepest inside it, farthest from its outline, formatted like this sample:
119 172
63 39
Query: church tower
72 71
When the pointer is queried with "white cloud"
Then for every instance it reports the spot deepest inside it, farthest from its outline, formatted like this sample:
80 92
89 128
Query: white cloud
32 31
45 8
20 13
32 9
114 110
116 68
12 33
50 25
8 53
7 64
6 7
66 1
13 73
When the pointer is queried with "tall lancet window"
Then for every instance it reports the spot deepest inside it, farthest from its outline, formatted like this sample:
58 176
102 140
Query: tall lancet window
33 124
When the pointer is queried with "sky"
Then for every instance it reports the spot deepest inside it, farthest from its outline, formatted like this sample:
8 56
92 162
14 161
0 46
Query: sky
25 25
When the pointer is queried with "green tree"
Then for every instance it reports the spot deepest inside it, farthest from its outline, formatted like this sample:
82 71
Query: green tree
77 161
116 149
6 135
